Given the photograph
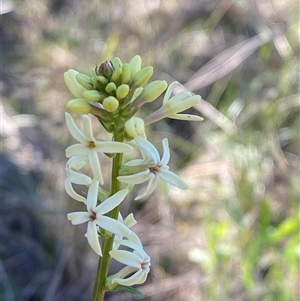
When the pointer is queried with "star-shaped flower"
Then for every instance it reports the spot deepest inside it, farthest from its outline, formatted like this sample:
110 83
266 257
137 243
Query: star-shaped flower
89 146
96 218
152 169
137 262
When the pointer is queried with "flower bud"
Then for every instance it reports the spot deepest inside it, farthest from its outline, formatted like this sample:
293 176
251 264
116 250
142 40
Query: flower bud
141 77
78 105
84 81
74 86
125 73
116 62
135 126
106 69
110 88
101 81
116 75
92 95
110 104
135 65
152 91
122 91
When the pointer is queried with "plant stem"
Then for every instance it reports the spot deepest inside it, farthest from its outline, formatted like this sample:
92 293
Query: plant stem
103 265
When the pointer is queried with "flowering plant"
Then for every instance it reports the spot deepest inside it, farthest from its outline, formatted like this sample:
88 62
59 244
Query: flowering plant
113 95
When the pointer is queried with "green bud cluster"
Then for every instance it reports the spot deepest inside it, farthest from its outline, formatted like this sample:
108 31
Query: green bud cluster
114 92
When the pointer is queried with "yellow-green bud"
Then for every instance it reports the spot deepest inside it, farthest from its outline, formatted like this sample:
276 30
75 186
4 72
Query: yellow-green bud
78 105
92 95
116 75
74 86
110 88
125 73
141 77
135 65
116 62
135 126
110 104
122 91
101 80
153 90
84 81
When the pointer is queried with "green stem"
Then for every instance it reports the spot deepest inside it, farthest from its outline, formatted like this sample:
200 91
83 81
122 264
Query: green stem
107 243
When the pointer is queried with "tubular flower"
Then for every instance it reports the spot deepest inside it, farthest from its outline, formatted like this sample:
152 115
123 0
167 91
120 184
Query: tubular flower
96 218
172 106
89 146
137 262
152 169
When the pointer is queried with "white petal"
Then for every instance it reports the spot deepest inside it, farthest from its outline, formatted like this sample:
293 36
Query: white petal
143 277
127 258
153 182
172 178
76 162
136 278
186 117
87 128
93 238
79 178
179 97
169 91
134 243
72 193
147 148
112 225
137 178
92 195
77 218
164 187
112 147
112 202
121 274
130 220
95 165
182 105
166 152
76 150
74 130
135 240
136 162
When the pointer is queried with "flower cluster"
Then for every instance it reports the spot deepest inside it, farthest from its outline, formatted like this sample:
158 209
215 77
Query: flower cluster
113 94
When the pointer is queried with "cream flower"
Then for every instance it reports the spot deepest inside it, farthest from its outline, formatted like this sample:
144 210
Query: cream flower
96 218
137 262
172 106
89 146
153 169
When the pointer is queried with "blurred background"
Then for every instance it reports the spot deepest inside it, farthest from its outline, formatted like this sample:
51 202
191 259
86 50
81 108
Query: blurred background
234 235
